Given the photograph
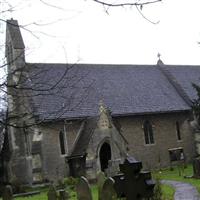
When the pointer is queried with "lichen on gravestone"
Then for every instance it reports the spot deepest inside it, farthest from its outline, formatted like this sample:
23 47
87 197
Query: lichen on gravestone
63 195
52 194
7 194
108 191
100 181
83 189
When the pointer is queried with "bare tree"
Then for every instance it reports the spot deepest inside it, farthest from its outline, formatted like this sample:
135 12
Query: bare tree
29 90
22 83
28 82
126 3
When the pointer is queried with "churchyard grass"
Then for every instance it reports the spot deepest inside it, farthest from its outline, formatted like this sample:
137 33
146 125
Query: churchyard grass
43 195
168 192
187 172
166 174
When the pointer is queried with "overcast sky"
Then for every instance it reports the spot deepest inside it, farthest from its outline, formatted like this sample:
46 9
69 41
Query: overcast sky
83 32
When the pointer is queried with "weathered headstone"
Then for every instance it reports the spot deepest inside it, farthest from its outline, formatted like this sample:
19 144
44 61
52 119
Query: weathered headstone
83 189
63 195
100 181
108 191
196 130
52 195
196 167
113 167
196 161
7 194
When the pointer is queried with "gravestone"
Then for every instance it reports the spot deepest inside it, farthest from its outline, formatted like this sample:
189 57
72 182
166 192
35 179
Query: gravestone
83 189
196 130
113 167
108 191
7 194
133 183
63 195
196 167
52 195
100 181
196 161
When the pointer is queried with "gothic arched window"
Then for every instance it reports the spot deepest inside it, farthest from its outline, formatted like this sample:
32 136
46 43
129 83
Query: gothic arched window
148 132
178 132
62 142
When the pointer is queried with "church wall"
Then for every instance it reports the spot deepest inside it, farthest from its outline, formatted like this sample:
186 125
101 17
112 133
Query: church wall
152 156
20 162
53 162
20 165
165 136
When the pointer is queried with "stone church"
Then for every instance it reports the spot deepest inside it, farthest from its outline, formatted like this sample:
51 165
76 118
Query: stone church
78 119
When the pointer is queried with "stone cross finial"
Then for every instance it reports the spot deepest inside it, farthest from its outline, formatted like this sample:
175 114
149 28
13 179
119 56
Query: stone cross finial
101 106
159 55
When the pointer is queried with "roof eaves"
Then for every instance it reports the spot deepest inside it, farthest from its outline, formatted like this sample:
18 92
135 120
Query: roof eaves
115 115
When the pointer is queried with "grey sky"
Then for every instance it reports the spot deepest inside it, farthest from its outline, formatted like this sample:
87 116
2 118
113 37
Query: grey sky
84 32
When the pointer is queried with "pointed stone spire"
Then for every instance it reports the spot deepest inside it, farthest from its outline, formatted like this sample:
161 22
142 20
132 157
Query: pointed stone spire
13 29
15 48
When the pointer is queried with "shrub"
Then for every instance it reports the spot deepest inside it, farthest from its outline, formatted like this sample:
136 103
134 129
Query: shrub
157 189
17 186
71 182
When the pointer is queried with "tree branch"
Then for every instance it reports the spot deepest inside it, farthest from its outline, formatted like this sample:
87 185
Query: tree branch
126 3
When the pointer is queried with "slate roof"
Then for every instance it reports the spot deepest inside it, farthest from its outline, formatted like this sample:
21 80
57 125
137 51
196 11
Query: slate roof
76 90
186 75
80 147
13 28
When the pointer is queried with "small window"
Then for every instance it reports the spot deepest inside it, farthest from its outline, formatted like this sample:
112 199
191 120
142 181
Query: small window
62 142
178 132
148 132
27 140
176 154
9 54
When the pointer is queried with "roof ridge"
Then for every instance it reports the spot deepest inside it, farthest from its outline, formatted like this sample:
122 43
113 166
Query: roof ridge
94 64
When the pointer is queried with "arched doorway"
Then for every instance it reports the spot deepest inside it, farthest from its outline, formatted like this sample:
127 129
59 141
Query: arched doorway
104 155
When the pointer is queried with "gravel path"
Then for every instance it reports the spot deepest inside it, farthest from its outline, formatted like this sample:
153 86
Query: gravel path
184 191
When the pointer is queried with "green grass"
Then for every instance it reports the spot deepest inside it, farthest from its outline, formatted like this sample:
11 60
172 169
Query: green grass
167 174
43 195
174 175
168 192
94 191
